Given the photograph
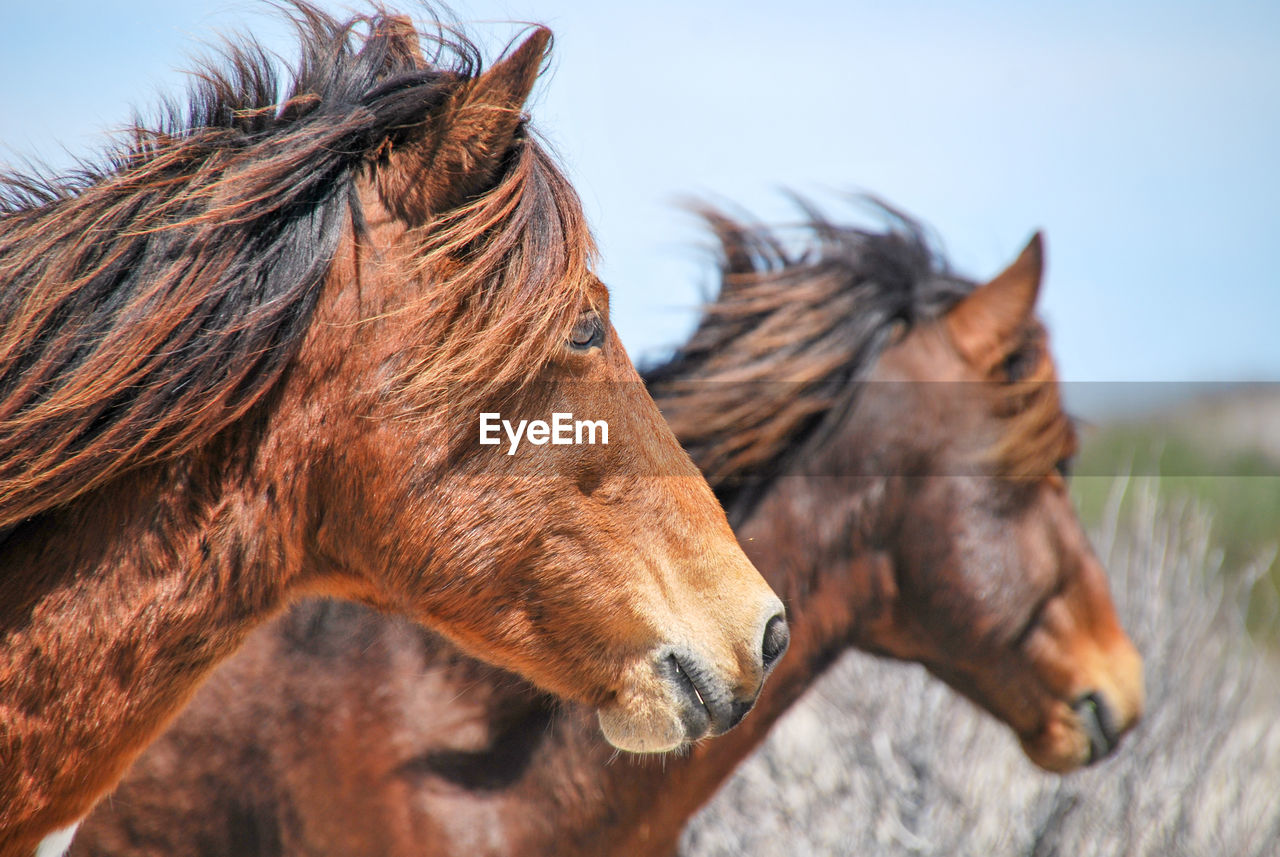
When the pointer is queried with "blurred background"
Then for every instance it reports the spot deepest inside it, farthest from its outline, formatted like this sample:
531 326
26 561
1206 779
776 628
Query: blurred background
1141 136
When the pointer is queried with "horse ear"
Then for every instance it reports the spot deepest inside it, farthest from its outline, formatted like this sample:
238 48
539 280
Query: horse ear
460 151
983 323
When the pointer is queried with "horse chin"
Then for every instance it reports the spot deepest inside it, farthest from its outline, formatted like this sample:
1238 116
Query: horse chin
644 715
649 731
1063 745
1078 734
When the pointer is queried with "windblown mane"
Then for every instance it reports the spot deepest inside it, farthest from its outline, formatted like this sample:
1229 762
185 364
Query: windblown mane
789 338
781 352
147 304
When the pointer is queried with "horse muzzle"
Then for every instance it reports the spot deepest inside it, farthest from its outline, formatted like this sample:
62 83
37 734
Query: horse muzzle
683 699
710 706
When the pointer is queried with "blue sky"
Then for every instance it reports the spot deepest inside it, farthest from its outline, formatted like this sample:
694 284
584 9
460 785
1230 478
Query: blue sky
1143 138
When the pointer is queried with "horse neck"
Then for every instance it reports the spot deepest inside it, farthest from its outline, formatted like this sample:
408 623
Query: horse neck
829 589
116 607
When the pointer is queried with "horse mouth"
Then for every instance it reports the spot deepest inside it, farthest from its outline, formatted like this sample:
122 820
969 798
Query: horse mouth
1099 726
1086 736
696 715
1080 732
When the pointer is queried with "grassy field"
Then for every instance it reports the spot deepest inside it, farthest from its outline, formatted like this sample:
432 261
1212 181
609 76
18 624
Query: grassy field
1221 452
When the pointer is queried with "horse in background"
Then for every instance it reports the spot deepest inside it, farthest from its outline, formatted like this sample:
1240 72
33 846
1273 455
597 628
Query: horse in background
243 363
889 442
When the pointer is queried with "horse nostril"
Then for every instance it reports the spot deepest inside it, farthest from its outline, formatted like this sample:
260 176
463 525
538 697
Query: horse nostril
777 636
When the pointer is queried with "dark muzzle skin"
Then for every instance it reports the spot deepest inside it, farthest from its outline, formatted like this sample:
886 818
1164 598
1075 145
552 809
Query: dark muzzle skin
696 713
709 706
1098 722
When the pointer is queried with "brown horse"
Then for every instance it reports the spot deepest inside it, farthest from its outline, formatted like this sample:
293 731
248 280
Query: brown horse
245 363
888 439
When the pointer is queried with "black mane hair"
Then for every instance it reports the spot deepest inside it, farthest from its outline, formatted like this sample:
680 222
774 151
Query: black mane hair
789 338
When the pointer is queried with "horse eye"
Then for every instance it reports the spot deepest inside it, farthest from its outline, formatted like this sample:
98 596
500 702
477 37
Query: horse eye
1064 466
1019 364
588 333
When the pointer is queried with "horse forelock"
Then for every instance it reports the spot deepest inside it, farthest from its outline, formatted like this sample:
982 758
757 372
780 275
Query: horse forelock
147 304
509 272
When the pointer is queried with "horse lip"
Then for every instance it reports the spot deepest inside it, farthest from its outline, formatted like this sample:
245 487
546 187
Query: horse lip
1098 725
694 685
698 720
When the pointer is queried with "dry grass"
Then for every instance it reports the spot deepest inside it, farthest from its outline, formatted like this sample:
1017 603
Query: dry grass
882 759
